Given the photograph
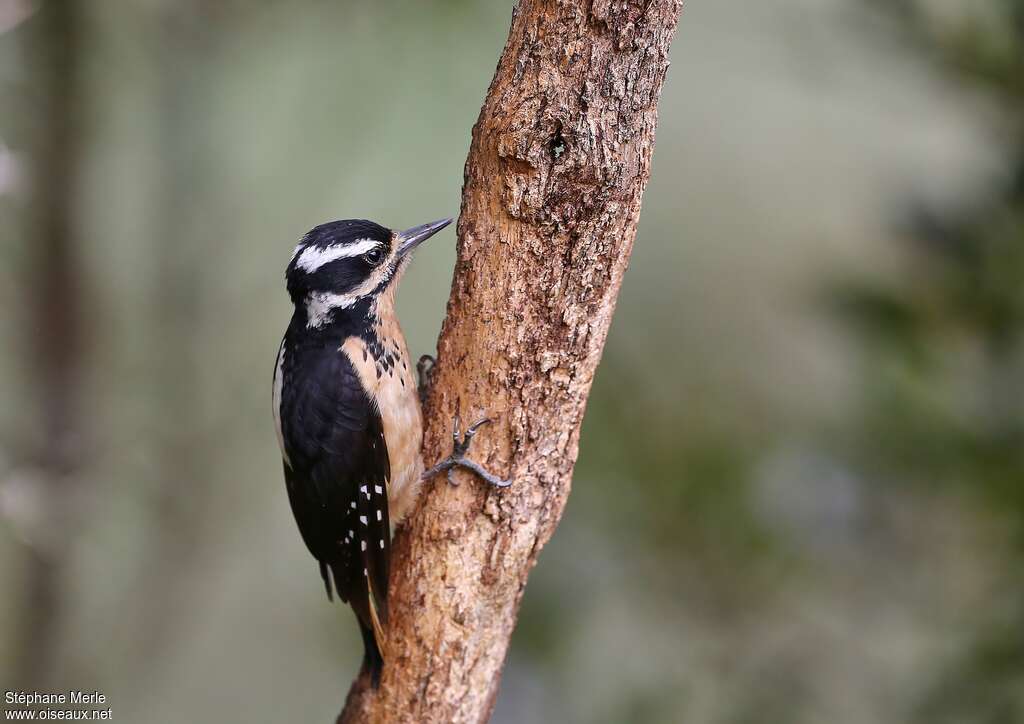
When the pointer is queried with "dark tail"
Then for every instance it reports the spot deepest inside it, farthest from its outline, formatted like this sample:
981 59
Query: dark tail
327 580
355 591
373 662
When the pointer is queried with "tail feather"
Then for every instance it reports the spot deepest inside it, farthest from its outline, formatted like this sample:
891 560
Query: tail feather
327 580
356 591
373 661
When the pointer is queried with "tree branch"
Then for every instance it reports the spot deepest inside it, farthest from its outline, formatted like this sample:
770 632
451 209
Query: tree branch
559 160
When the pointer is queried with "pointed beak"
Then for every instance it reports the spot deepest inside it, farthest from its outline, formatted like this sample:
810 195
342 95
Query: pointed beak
411 238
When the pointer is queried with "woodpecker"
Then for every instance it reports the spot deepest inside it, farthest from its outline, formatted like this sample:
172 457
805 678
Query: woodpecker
347 411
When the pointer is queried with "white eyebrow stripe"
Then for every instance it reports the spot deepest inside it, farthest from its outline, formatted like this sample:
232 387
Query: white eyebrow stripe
314 257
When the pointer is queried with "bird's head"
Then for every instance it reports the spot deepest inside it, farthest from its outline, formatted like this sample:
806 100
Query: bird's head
340 264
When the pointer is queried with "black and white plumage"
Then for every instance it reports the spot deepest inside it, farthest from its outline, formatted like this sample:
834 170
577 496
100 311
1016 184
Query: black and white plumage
347 410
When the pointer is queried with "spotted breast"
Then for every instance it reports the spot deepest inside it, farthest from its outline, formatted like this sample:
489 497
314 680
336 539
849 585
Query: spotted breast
381 359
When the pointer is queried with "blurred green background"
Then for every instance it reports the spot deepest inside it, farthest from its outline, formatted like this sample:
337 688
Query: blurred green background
807 506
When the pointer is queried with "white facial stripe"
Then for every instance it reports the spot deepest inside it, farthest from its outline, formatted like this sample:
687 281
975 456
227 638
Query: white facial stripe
319 306
314 257
380 275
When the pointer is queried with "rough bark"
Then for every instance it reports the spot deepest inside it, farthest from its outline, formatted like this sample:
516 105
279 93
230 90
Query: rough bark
558 163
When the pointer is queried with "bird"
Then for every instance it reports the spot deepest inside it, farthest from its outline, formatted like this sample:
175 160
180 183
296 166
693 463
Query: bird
347 411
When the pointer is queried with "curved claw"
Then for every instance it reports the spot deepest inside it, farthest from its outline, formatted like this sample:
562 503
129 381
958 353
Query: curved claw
460 446
477 425
424 367
476 468
424 363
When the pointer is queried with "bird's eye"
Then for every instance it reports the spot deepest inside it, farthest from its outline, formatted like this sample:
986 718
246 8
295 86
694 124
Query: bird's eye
373 256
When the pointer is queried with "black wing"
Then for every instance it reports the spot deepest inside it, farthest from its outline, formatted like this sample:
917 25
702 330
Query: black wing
337 462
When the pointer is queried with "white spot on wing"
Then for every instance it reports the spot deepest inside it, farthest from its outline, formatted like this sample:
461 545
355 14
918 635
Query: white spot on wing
362 519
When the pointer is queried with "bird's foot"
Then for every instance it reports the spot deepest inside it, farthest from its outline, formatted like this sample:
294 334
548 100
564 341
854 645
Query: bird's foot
423 369
458 459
